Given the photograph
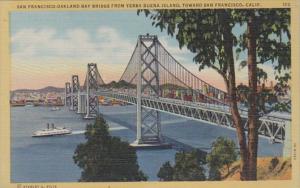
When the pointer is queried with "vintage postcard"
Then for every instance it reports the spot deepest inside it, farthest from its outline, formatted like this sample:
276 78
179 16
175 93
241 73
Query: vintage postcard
149 94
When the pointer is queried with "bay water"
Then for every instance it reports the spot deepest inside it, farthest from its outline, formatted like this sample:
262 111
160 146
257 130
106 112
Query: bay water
49 159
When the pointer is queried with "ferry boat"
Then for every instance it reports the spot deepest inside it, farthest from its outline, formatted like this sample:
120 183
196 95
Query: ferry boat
52 131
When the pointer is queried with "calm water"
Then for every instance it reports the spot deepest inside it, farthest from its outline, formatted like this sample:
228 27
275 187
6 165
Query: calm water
49 159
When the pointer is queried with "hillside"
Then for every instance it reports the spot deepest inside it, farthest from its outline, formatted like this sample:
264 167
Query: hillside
281 171
42 90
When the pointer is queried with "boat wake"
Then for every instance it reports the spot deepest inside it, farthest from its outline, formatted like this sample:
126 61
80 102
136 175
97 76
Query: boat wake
110 129
77 132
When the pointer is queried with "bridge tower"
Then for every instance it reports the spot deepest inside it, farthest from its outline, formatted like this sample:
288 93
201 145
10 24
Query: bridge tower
91 85
148 120
81 109
81 103
74 90
68 96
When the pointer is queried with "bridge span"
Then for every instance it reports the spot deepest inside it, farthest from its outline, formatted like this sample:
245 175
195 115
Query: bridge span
155 82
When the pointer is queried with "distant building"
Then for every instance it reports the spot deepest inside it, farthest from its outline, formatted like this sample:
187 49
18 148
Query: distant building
53 99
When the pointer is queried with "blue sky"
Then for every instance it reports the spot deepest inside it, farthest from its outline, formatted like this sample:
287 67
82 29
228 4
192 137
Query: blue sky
48 47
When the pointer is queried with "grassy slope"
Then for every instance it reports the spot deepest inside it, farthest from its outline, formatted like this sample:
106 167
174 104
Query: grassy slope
282 170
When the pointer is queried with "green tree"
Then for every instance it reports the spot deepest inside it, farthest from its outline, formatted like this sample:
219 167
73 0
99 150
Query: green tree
188 167
223 153
106 158
209 34
166 172
264 96
242 93
214 174
281 89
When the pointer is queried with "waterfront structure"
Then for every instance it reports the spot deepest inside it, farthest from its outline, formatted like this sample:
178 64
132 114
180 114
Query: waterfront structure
37 98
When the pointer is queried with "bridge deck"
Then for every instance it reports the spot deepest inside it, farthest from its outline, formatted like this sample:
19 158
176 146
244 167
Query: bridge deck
269 126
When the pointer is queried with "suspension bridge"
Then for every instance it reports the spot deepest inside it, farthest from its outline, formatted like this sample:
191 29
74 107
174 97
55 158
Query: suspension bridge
156 82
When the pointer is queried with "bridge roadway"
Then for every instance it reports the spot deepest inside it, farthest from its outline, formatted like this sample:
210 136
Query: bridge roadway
271 127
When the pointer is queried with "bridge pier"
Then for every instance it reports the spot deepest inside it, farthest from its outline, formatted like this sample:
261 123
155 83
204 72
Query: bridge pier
148 132
74 92
92 86
81 103
67 94
91 107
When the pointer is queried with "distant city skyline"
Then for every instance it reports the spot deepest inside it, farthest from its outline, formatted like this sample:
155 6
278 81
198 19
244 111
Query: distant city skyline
48 47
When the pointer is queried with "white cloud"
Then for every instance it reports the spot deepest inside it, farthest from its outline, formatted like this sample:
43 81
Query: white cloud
181 55
45 51
76 42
